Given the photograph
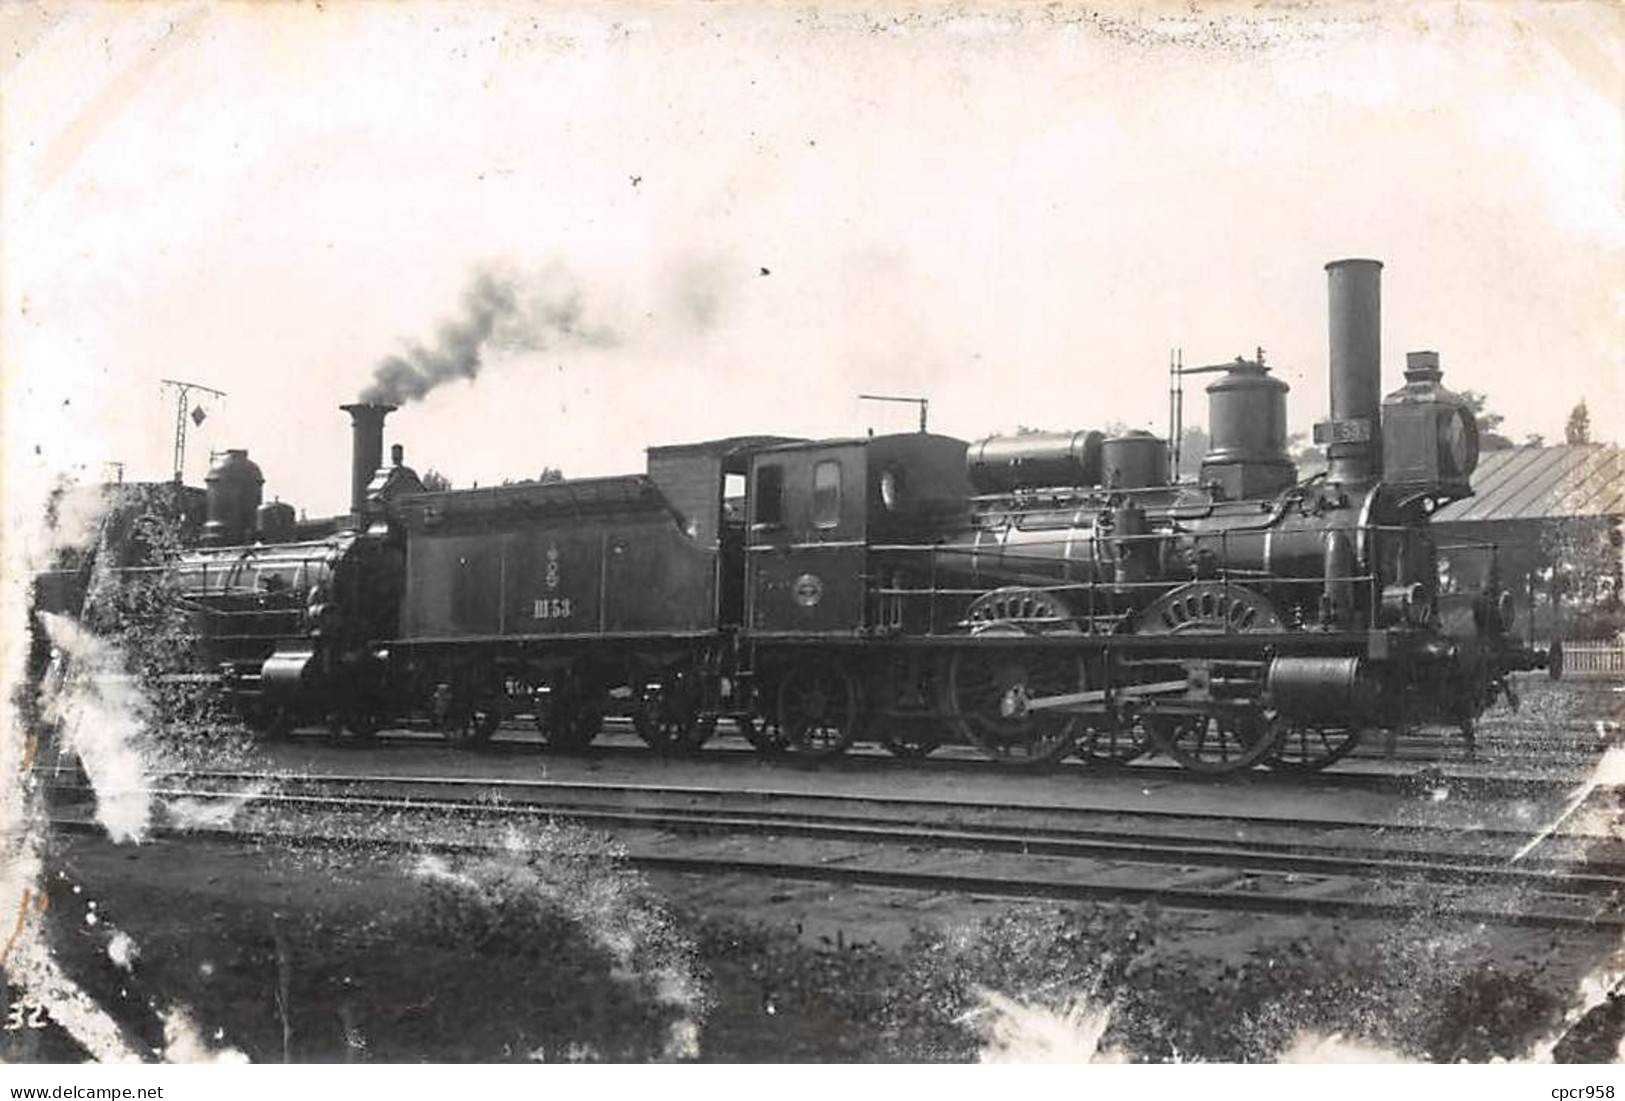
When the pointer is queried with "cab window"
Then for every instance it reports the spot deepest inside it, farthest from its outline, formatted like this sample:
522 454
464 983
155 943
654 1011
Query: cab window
826 498
769 496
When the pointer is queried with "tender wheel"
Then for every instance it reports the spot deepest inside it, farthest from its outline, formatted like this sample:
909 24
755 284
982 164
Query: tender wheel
705 728
471 727
573 720
990 689
670 718
911 739
818 709
462 722
1312 748
568 713
764 734
1214 744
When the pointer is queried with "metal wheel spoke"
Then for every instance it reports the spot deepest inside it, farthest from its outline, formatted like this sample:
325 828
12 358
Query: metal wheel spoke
1310 748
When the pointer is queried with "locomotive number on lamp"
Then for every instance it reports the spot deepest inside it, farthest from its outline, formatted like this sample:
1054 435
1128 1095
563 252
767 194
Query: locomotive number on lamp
554 607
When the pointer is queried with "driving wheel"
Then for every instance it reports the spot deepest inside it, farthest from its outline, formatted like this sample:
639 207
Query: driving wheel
990 688
818 709
1214 744
1312 748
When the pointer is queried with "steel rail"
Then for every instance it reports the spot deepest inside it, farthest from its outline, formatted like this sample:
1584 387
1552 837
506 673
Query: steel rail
1135 846
875 758
504 787
1574 890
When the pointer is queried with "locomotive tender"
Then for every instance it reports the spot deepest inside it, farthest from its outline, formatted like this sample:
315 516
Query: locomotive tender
1034 595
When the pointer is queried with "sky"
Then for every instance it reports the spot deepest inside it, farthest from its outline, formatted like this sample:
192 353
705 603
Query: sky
726 219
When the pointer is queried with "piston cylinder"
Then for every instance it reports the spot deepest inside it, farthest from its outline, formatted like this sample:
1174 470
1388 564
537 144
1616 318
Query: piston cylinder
1329 691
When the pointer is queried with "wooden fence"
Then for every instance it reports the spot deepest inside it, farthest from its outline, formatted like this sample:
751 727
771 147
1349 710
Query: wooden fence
1593 659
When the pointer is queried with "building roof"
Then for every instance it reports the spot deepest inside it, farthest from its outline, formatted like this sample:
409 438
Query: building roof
1539 483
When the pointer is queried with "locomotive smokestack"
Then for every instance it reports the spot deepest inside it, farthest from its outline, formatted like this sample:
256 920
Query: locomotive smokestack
1353 435
367 450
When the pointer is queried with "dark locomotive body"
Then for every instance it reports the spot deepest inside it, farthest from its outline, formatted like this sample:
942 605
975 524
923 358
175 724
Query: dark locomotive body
1034 595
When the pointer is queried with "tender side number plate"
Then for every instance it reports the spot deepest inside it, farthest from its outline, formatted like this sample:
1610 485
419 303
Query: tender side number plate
554 607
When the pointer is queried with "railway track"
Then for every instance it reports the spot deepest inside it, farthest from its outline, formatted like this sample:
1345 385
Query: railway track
1502 742
1478 777
1181 859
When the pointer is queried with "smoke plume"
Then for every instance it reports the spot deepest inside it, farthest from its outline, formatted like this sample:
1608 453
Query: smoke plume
500 310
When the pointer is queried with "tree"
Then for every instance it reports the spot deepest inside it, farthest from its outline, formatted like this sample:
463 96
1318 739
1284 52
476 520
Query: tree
1583 553
1489 439
121 669
1303 451
1578 430
550 474
1193 448
434 481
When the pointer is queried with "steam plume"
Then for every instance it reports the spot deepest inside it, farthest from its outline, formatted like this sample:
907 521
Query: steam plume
499 310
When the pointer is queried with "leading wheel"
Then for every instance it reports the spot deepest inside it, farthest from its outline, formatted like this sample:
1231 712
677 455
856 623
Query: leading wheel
818 709
990 689
1312 748
1215 745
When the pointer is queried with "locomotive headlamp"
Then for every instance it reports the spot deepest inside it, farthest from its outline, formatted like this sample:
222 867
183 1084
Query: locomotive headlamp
1458 441
1429 435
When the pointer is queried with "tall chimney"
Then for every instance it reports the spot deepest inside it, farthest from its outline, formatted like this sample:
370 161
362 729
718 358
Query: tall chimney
1353 435
367 450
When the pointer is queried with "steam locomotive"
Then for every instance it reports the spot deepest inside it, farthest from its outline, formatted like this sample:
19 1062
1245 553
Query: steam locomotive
1034 595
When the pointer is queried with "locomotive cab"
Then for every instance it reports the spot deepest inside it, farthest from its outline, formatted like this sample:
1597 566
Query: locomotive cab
696 480
821 515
